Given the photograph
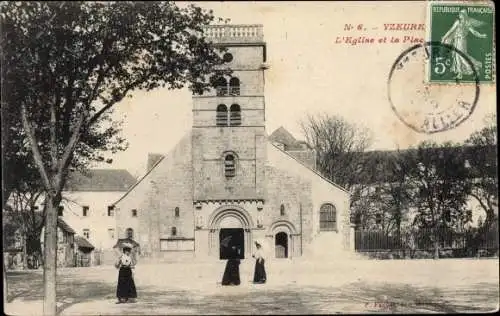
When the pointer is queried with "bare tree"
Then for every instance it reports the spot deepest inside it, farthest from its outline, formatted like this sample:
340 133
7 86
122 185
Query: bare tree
338 144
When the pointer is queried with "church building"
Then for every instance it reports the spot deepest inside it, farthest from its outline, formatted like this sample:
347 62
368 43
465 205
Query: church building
228 183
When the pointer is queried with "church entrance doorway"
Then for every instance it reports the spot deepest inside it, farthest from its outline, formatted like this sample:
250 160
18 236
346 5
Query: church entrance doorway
281 245
229 237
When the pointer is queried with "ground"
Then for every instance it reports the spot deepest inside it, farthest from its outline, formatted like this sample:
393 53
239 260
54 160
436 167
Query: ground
401 286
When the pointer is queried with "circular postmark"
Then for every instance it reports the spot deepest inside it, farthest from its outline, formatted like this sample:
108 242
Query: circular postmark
429 107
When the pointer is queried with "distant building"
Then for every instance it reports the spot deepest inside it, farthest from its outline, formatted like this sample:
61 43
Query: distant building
228 180
65 244
87 201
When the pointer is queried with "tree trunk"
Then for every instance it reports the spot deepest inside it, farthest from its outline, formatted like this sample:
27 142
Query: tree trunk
50 258
5 287
436 244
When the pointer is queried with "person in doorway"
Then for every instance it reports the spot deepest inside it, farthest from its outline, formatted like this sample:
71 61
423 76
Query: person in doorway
259 276
126 286
232 271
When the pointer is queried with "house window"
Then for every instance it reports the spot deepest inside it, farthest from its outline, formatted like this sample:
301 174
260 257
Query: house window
111 210
327 218
234 86
134 213
176 212
229 166
174 231
378 219
86 233
85 210
282 210
60 210
235 115
221 116
111 233
60 236
130 233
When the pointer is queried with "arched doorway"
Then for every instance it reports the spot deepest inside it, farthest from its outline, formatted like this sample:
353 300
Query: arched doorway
281 245
285 239
230 226
231 234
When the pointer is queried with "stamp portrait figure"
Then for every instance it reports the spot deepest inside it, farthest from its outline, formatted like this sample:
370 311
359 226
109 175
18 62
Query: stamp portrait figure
457 37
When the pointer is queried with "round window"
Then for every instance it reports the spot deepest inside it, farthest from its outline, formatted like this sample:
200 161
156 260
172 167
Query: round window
228 57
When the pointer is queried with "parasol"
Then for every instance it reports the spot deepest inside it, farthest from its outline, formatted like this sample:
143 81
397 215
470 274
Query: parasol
225 242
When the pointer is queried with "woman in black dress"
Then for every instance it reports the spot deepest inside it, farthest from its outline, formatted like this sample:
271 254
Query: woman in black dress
259 275
126 286
232 272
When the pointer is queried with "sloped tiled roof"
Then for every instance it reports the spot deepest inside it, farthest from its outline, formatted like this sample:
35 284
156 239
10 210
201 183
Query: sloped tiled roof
64 226
100 180
281 135
81 242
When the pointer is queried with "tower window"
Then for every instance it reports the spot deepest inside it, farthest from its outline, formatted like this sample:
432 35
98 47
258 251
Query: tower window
176 212
235 115
134 213
282 210
174 231
234 86
228 57
327 218
85 210
221 118
221 86
229 166
111 210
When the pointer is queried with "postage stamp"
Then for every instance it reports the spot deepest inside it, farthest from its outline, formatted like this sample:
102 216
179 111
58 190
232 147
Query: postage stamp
469 28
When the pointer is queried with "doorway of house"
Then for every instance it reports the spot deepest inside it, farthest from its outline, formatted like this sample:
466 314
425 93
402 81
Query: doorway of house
281 245
231 237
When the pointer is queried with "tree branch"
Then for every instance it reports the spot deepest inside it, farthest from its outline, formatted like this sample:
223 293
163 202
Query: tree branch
35 150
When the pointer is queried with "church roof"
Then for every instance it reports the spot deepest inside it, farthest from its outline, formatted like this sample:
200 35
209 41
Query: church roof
282 136
100 180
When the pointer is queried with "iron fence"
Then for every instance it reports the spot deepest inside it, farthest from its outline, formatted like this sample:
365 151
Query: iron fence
464 243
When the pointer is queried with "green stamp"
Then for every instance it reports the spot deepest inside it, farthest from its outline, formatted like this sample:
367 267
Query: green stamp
466 31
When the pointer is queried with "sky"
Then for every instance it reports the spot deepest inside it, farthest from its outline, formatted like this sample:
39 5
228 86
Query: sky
309 73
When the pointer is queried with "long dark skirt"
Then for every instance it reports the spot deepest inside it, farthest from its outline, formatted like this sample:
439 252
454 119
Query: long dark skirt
232 272
126 285
259 275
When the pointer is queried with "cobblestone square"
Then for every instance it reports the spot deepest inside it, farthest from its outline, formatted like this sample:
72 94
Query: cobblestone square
398 286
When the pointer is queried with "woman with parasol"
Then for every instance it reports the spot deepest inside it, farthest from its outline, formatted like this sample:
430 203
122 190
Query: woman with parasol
126 286
232 271
259 276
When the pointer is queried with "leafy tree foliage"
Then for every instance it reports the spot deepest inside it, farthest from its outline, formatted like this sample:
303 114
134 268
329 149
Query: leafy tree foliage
439 180
66 64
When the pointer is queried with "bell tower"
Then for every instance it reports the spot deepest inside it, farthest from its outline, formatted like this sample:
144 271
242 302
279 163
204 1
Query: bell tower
229 141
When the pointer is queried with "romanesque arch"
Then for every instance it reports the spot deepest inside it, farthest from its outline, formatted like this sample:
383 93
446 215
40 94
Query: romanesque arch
283 234
227 217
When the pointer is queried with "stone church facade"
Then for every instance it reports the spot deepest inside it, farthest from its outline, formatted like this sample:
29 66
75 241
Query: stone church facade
228 180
